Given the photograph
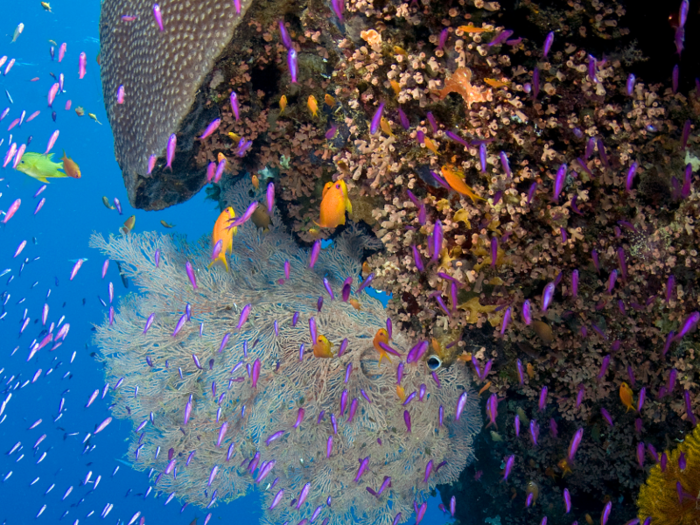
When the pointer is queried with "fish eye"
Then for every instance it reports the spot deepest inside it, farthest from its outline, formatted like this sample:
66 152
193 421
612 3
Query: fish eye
434 363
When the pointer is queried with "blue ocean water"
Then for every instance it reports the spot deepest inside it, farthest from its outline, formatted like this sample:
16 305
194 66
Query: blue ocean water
55 385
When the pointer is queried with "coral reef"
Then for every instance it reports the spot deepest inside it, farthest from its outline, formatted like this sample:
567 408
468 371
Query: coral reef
497 173
669 495
223 384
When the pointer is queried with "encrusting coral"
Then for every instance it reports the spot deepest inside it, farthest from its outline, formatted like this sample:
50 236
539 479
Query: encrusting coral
211 428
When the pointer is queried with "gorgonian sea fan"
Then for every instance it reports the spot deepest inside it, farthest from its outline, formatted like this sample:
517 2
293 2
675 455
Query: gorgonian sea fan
161 366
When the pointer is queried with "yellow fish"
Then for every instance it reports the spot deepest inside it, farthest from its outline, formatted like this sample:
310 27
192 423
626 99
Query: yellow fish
70 167
400 51
128 225
322 348
382 336
329 100
106 202
495 83
386 128
401 393
355 304
430 145
313 105
235 137
457 184
256 182
41 167
283 103
94 117
334 204
472 29
167 225
221 233
46 6
626 396
395 86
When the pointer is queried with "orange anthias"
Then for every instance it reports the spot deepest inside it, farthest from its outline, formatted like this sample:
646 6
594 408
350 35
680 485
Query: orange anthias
457 184
334 204
70 167
223 234
626 396
381 337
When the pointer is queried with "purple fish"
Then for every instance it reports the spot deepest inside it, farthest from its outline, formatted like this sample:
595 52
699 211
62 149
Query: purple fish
170 151
149 322
315 250
338 8
244 316
505 164
575 442
292 63
606 513
407 420
548 44
286 40
519 366
607 416
482 157
376 119
543 399
417 259
547 295
509 466
211 128
506 320
361 470
631 79
436 247
190 273
158 16
559 181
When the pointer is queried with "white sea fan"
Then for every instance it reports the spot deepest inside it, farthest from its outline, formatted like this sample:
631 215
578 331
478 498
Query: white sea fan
163 369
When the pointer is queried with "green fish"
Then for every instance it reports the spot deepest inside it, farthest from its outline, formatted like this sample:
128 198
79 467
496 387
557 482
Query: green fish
41 167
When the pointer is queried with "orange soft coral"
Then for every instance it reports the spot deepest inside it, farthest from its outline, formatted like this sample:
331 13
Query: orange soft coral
460 82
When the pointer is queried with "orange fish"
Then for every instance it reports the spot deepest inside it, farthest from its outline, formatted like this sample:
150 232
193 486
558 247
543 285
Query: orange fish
457 184
395 86
626 396
485 387
221 233
334 204
386 128
401 393
355 304
472 29
430 145
70 167
495 83
530 370
313 105
382 336
329 100
283 103
564 466
322 348
128 225
256 182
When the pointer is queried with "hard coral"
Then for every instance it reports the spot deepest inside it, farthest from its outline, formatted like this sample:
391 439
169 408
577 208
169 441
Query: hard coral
161 72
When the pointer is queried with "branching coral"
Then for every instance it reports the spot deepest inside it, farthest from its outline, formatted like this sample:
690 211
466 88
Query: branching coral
310 420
